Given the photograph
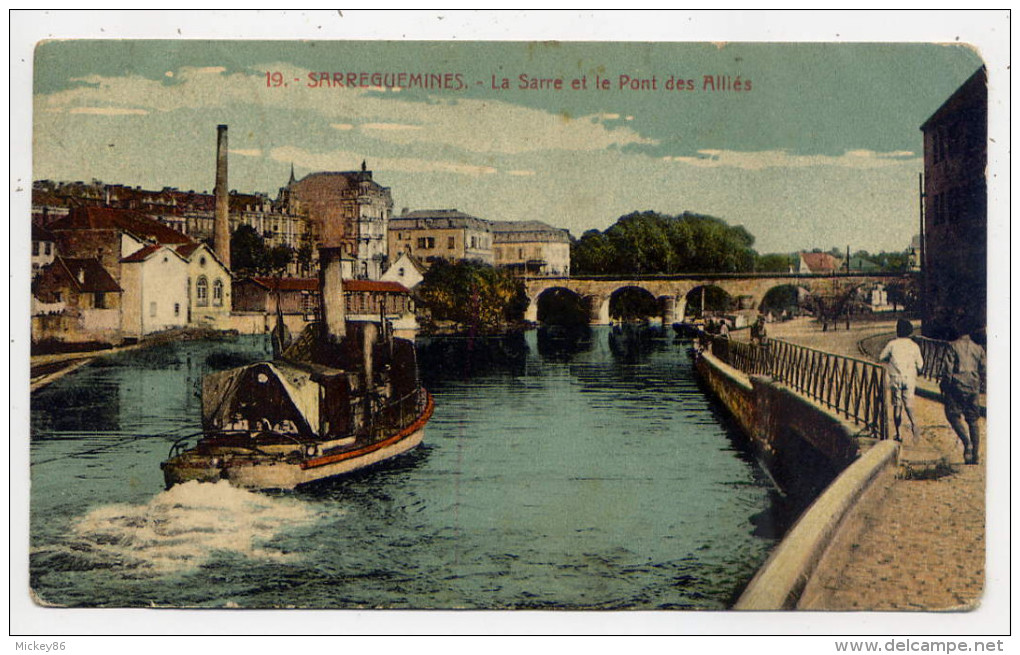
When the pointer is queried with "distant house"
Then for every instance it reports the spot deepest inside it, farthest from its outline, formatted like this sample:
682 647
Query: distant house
861 265
155 282
819 263
531 247
259 294
449 234
75 300
44 248
407 270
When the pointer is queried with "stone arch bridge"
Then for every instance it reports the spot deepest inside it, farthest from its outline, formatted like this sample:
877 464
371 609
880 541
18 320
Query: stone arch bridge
671 290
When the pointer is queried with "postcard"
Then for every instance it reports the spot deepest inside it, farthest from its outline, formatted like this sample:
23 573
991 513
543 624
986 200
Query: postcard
675 327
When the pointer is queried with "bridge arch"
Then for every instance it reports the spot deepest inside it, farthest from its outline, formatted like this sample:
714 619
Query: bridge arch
711 297
633 301
790 297
559 306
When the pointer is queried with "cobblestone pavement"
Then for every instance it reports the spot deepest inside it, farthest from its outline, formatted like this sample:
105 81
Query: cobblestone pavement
916 542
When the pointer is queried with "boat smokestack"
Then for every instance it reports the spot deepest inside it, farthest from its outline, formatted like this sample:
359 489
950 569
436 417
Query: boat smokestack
331 283
221 224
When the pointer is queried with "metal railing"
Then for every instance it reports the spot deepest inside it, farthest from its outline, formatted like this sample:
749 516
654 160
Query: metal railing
933 352
853 388
395 415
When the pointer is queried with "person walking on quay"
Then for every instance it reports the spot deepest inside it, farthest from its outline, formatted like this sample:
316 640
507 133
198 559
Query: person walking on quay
759 334
905 362
963 368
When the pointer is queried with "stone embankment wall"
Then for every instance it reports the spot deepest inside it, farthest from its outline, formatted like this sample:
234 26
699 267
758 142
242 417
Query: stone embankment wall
803 445
810 452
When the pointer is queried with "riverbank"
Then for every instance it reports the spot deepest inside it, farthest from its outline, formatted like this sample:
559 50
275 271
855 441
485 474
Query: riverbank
47 368
915 541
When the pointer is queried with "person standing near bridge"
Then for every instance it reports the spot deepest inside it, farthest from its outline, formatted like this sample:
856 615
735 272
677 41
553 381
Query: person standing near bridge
905 362
963 368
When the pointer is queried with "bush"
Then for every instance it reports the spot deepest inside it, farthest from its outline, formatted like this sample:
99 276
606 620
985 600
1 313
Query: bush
472 294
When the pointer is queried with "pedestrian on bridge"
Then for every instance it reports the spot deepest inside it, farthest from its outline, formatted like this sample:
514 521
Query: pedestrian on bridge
963 368
905 362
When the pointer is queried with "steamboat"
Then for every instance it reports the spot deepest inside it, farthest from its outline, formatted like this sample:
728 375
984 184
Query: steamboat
341 397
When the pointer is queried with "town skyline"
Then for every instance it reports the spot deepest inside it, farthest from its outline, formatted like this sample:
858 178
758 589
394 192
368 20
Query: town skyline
823 150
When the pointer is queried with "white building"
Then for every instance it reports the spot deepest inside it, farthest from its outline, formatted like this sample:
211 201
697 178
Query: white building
155 284
406 270
209 286
44 248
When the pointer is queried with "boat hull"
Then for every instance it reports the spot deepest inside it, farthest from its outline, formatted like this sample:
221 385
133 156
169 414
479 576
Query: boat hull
248 471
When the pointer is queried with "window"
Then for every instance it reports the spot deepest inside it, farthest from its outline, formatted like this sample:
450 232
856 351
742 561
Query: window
201 261
426 242
307 303
152 309
474 242
202 291
217 293
49 248
99 302
177 309
35 248
451 243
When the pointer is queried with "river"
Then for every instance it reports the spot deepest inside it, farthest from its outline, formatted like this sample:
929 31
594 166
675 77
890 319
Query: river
556 473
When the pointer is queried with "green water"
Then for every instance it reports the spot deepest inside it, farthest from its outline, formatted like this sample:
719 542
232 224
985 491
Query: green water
554 474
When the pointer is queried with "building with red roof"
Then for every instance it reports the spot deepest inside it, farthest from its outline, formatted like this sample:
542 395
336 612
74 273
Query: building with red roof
819 263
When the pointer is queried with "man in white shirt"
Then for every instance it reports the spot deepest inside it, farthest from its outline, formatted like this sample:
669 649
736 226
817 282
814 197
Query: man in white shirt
905 362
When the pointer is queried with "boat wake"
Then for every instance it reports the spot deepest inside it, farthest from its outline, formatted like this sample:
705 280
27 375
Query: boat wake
185 527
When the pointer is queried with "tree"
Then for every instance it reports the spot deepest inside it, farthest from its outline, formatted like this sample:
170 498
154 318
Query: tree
650 242
248 253
304 257
774 263
472 294
278 258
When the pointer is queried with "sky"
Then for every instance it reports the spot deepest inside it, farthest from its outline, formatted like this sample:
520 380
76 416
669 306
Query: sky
820 146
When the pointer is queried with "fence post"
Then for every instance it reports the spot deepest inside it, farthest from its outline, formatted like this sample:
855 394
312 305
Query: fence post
886 416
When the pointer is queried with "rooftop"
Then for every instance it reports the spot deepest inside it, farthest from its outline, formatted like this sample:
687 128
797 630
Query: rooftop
106 218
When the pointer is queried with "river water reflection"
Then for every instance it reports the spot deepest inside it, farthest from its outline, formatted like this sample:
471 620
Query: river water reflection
559 471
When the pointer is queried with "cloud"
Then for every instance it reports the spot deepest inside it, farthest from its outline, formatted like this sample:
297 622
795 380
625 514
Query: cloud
762 159
344 160
389 126
341 126
104 111
246 152
469 124
521 173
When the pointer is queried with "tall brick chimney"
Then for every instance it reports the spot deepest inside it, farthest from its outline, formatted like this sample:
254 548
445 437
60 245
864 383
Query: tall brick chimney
221 224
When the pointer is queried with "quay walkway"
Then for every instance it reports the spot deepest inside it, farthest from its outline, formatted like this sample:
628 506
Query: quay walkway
917 541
